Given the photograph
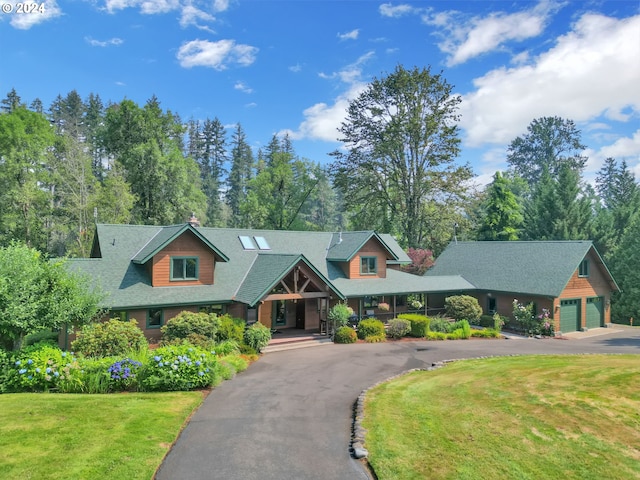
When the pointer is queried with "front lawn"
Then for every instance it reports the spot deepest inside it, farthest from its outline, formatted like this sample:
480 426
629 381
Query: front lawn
531 417
117 436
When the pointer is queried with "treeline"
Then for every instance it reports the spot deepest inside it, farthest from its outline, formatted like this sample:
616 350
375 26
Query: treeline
81 161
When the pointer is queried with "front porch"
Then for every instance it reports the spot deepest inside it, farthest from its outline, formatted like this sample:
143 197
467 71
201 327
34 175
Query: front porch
292 338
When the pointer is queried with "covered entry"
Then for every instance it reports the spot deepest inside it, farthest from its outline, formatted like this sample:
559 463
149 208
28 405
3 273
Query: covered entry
569 315
286 290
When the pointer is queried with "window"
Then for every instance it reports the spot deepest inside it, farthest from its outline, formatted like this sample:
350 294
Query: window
246 242
217 308
262 243
155 318
370 302
121 315
184 268
279 313
368 265
583 269
401 300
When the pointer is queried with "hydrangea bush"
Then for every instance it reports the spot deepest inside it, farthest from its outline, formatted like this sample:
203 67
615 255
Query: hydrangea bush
178 367
41 368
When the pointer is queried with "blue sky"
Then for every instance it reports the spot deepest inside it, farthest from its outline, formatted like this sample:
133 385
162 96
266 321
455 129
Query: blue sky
293 65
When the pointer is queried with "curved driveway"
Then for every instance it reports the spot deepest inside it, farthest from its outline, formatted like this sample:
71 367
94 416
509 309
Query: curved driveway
289 415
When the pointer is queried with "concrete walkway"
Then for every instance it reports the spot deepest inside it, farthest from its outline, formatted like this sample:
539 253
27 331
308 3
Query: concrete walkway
289 415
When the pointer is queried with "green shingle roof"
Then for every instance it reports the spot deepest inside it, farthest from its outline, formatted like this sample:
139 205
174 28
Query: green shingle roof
535 268
124 249
345 245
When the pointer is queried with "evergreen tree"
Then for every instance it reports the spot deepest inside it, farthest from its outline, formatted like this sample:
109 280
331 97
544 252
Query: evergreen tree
625 268
239 176
11 102
503 213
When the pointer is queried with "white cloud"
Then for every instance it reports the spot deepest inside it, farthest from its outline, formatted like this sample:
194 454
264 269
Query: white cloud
590 71
220 5
295 68
321 121
389 10
103 43
191 15
24 21
625 148
218 55
352 35
243 87
464 40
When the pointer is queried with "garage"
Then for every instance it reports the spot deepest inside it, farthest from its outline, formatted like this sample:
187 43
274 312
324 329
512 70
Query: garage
569 315
595 312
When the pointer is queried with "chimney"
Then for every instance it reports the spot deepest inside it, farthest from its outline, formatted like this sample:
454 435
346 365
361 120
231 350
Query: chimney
193 221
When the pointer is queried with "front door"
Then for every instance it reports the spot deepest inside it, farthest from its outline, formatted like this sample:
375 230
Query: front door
300 314
279 313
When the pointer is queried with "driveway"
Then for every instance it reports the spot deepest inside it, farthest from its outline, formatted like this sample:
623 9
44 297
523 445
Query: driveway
289 415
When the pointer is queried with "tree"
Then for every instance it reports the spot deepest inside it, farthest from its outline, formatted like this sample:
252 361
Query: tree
503 213
550 143
36 294
26 140
11 102
239 176
401 138
421 261
625 268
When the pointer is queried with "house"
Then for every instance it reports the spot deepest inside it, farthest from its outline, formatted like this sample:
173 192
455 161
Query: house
568 278
283 279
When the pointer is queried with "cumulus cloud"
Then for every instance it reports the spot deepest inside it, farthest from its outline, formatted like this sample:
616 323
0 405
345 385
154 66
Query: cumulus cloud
396 11
591 71
24 21
466 39
191 15
149 7
103 43
624 148
352 35
217 55
321 121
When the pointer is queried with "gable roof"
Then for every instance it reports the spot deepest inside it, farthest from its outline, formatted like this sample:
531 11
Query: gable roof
535 268
165 236
266 271
123 249
345 245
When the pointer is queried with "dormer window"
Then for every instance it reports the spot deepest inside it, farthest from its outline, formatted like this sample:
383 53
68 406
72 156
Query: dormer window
368 265
184 268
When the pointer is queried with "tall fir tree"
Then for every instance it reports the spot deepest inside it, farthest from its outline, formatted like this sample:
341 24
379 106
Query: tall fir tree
503 217
239 177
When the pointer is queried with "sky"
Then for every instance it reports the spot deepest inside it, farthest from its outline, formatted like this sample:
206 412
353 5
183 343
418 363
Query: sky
292 66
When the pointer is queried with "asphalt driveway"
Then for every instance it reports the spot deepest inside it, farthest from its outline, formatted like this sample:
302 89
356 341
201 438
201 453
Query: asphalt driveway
289 415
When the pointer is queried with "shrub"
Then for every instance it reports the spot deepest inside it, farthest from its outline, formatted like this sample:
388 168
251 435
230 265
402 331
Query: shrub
462 307
227 347
339 314
187 324
370 327
230 328
376 338
248 351
419 324
43 336
178 367
498 322
110 338
485 333
461 330
486 321
4 369
257 336
436 335
398 328
40 368
239 363
123 374
442 325
345 335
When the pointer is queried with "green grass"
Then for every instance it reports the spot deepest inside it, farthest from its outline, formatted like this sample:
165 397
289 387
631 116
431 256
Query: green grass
116 436
533 417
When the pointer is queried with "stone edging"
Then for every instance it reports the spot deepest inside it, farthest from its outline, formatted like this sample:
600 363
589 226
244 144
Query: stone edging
358 432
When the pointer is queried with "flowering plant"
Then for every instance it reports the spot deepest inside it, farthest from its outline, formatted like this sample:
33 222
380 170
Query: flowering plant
178 367
383 306
123 374
546 322
41 368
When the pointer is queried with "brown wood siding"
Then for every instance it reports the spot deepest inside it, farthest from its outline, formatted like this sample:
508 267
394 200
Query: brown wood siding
237 310
595 285
370 249
311 314
264 315
187 245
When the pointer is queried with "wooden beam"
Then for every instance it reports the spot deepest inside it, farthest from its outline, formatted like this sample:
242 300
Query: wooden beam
285 286
294 296
304 285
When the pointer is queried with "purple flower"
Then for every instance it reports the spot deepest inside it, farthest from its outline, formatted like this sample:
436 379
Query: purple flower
29 362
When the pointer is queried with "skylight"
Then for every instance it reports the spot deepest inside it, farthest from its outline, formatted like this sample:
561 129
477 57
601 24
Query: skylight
247 244
262 243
